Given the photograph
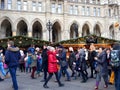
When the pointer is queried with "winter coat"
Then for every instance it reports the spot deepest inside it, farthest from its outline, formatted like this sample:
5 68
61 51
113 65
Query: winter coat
12 56
62 59
44 59
91 56
72 58
52 62
102 62
33 60
81 61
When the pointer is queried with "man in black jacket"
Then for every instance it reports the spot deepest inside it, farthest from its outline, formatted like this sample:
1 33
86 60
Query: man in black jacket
44 62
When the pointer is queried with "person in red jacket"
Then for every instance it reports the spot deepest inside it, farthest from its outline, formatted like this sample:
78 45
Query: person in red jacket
52 67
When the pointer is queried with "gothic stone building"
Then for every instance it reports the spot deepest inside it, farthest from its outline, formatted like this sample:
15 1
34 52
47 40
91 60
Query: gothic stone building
69 18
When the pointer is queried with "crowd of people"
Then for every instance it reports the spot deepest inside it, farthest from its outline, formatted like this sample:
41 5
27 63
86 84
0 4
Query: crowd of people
57 60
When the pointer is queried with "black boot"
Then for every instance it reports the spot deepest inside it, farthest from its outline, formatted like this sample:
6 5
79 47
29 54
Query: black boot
45 86
61 85
83 81
72 75
1 79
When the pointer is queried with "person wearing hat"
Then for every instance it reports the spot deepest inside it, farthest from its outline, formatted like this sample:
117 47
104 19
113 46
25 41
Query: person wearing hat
12 57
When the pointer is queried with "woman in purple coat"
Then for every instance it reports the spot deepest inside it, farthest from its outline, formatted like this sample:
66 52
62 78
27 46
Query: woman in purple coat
101 67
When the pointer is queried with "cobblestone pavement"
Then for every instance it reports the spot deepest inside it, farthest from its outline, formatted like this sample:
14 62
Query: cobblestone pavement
26 83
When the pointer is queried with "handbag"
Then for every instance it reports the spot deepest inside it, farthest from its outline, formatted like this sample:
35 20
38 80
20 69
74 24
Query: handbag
63 63
5 66
98 68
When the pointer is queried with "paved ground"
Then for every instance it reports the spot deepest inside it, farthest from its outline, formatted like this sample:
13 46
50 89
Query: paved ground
26 83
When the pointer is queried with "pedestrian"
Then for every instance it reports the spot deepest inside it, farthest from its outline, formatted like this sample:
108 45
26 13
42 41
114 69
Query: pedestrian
63 63
82 65
91 54
52 67
12 57
44 62
39 61
2 64
116 65
101 67
72 60
22 62
32 49
32 60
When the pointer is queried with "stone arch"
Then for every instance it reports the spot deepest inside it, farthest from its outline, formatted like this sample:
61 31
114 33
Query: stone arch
74 30
21 19
37 30
89 24
5 17
22 28
6 28
60 23
97 29
86 29
41 22
56 32
111 31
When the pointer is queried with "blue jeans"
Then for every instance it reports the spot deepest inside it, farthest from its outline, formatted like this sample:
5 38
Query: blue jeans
117 78
13 75
2 69
63 69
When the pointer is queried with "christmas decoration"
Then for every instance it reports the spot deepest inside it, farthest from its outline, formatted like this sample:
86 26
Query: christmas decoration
23 41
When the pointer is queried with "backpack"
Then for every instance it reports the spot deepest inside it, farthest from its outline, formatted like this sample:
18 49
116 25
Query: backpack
29 60
115 58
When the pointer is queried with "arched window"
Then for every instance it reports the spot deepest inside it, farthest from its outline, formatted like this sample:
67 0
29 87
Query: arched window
22 28
85 30
56 32
6 29
74 30
37 30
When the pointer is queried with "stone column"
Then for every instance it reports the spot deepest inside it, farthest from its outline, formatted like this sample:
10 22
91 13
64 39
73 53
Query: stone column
48 17
14 5
66 32
14 33
0 4
29 5
22 4
29 34
47 10
5 3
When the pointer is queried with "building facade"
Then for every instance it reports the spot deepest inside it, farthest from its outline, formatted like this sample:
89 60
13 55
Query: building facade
69 18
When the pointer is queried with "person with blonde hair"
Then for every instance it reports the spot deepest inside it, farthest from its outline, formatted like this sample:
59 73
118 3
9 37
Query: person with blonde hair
91 54
72 60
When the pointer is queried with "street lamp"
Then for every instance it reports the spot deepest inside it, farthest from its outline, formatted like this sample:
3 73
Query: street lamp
49 27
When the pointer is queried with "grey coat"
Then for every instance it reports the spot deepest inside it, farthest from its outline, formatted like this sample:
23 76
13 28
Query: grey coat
102 62
34 61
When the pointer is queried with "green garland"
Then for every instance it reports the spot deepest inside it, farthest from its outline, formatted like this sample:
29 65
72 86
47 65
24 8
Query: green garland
82 40
23 41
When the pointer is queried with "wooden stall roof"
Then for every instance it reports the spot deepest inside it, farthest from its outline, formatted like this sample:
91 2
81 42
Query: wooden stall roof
82 41
75 46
